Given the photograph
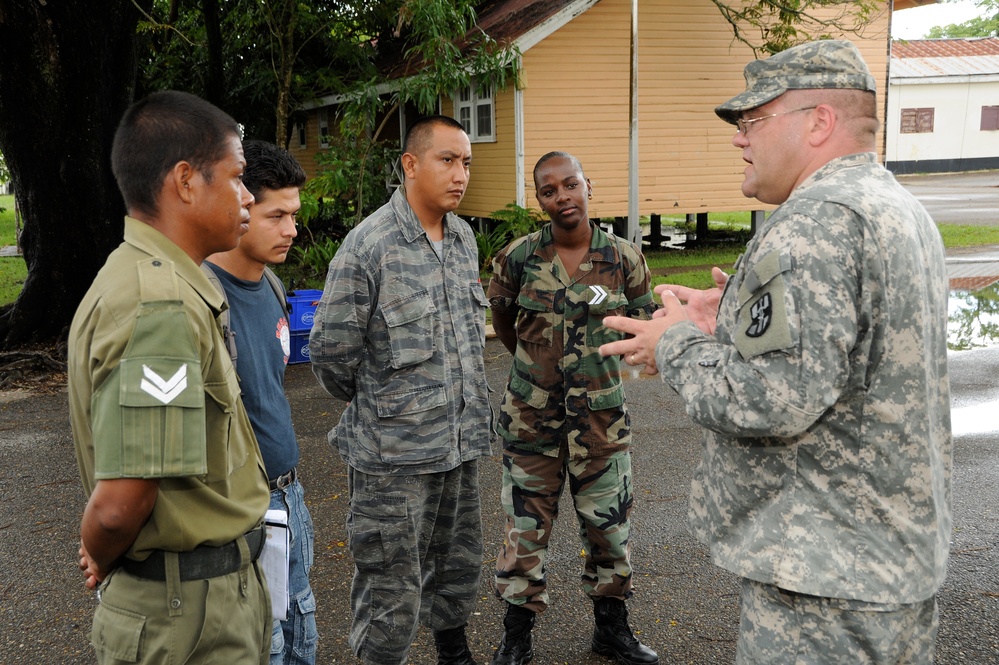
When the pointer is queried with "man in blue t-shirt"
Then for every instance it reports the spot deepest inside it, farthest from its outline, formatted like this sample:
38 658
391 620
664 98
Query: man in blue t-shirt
258 323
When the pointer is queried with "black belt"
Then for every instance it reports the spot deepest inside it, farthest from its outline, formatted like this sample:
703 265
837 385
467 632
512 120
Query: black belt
283 480
201 563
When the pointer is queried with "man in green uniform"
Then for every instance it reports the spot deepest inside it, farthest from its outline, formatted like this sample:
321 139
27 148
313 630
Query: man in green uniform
564 414
177 488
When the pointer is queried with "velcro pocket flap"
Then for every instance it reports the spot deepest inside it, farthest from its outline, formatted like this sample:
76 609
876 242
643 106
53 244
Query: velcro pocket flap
535 300
117 633
407 402
407 309
608 398
762 273
528 393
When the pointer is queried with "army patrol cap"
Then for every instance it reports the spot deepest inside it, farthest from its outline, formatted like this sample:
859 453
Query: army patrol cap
827 63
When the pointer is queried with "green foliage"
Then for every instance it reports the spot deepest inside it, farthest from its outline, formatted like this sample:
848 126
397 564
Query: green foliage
356 171
488 244
310 206
985 25
445 51
769 27
259 60
514 222
351 182
308 264
4 172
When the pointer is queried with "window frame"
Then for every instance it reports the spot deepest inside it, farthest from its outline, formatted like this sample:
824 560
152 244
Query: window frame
324 129
917 120
472 103
989 119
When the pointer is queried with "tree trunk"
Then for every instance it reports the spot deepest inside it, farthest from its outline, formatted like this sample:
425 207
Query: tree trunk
215 79
282 20
67 74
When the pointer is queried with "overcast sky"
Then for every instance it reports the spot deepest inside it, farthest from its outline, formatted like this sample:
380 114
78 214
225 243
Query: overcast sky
916 22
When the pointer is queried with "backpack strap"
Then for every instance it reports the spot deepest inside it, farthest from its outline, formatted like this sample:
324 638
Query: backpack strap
278 287
227 335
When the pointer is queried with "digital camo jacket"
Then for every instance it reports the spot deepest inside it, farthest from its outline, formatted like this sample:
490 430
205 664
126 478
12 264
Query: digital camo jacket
560 386
399 334
826 468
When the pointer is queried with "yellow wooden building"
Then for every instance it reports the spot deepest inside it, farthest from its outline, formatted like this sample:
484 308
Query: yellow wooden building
573 93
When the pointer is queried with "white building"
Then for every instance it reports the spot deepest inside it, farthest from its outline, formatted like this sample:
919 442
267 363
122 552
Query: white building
943 105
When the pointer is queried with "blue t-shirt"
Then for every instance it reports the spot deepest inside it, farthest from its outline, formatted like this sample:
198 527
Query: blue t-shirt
263 344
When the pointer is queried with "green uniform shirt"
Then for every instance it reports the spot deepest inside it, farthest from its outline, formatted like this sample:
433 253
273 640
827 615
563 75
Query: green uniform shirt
153 394
561 388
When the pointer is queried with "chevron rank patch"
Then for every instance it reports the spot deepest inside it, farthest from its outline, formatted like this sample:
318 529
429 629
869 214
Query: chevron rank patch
161 366
165 390
599 294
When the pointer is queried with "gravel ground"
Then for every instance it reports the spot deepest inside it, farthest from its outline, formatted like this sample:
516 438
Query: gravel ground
684 607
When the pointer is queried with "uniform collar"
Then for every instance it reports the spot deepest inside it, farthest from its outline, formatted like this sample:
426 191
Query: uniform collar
837 164
147 239
601 247
408 221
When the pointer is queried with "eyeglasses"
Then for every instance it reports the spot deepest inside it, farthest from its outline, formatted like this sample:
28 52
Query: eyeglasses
744 123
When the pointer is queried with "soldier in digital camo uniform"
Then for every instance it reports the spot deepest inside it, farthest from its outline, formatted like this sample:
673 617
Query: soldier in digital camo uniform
563 413
399 334
825 480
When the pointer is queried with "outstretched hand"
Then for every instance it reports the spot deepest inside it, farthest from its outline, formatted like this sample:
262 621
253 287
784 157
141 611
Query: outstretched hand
640 348
701 305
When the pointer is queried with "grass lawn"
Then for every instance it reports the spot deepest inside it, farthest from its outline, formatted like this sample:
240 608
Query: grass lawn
6 220
13 271
686 267
693 267
958 235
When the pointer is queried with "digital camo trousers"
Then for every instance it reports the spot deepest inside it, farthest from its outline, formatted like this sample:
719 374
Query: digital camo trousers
602 495
394 524
778 626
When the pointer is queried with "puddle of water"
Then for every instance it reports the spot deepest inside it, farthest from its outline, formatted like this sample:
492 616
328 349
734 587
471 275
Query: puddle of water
973 318
978 419
972 323
671 237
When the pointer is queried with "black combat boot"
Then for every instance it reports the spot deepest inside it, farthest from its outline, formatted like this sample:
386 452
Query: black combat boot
613 637
517 646
452 647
